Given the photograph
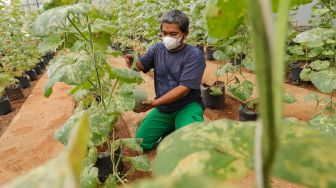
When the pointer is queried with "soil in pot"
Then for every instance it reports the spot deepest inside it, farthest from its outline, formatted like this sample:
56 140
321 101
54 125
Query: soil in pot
14 92
24 81
295 70
246 114
209 53
211 101
32 74
38 70
5 106
105 165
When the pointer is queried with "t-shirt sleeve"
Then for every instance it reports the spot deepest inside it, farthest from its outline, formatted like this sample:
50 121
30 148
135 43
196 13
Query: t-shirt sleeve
193 70
147 60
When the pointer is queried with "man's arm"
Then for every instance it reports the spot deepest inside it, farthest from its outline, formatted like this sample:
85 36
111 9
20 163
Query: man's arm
129 61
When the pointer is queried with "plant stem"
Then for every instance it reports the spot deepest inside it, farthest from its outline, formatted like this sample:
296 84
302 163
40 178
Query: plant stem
96 67
77 29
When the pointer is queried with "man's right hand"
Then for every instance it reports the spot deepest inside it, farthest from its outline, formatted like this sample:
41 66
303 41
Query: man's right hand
129 60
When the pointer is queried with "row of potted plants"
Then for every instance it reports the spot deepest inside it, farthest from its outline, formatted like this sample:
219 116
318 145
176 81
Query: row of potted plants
19 56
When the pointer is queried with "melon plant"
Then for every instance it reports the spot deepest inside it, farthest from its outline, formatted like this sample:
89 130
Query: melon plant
140 95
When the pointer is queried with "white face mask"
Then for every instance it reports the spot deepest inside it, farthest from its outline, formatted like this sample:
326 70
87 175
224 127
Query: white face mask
171 43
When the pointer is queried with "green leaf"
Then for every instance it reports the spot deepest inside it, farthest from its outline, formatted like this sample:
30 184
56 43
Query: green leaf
101 124
126 75
219 149
325 80
104 26
89 176
72 69
220 55
140 163
182 182
248 63
289 98
63 133
314 97
50 43
242 90
78 145
52 19
123 100
319 65
223 17
308 160
296 49
228 67
325 124
306 74
110 182
131 143
293 3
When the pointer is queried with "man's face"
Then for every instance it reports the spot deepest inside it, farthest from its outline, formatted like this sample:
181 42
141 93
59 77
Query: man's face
172 30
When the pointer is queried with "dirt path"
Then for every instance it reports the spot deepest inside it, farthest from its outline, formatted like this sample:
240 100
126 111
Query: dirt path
5 120
28 141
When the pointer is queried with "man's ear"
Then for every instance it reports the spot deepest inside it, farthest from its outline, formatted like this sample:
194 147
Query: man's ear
185 35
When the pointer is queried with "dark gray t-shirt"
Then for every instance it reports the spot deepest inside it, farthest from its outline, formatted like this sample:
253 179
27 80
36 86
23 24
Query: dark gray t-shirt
171 69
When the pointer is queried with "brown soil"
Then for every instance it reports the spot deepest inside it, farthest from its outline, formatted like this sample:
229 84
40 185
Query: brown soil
28 141
5 120
230 110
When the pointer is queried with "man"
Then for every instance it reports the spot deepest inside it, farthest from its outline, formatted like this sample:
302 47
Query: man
178 70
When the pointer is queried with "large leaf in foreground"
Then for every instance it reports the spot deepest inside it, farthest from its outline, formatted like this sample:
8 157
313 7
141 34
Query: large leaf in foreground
72 69
325 80
220 149
223 17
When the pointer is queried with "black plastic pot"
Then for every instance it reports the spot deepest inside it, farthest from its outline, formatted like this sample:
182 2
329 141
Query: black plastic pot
14 93
247 115
294 76
235 62
5 106
24 82
210 101
201 48
41 65
38 70
128 50
105 165
32 74
209 53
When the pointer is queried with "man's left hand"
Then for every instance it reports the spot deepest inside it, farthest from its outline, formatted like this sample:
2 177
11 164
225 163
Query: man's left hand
147 106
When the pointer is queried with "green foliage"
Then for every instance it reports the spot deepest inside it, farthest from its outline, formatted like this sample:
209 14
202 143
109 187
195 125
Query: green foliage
216 90
242 90
182 182
289 98
140 163
233 12
50 43
72 69
224 149
209 148
53 19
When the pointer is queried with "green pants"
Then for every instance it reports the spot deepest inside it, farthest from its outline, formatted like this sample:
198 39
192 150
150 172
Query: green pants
157 125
